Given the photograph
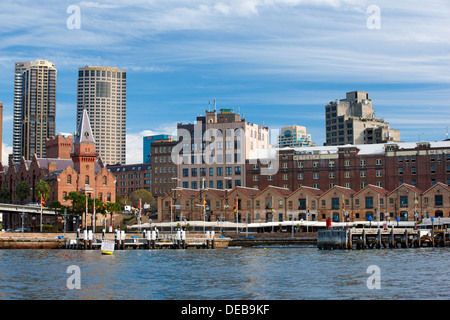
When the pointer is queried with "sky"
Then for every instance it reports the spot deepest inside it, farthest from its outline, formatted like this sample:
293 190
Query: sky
278 62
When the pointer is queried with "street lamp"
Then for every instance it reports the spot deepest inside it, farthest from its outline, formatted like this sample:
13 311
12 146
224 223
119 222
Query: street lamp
85 190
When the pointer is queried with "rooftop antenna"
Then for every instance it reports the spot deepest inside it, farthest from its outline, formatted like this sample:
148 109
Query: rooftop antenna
214 104
209 105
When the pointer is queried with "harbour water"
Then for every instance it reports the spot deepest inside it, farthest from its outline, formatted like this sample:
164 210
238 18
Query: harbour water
226 274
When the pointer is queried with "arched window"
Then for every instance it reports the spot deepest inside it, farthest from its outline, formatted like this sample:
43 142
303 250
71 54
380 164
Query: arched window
69 179
86 180
105 180
108 196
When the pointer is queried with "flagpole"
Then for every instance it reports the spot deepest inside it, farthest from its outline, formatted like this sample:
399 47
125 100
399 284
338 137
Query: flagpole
307 213
237 214
139 222
94 223
41 211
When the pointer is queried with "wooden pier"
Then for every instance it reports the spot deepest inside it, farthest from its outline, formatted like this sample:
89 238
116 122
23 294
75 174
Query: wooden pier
150 240
367 238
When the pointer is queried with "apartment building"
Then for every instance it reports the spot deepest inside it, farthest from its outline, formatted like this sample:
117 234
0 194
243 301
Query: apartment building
352 121
34 108
211 153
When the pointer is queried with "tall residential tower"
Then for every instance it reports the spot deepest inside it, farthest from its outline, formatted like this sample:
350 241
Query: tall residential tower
352 121
102 91
34 108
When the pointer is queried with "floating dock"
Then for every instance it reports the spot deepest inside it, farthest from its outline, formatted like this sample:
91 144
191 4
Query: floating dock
370 238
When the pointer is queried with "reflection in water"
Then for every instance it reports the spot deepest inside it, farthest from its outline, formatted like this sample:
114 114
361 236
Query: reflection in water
272 273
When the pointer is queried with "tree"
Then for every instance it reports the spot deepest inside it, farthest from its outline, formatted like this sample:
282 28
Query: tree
42 190
22 190
113 207
145 196
5 195
78 202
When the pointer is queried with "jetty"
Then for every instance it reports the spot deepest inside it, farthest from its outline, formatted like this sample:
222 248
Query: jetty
370 238
148 240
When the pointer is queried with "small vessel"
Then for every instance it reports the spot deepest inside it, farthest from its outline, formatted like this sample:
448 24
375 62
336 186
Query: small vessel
107 247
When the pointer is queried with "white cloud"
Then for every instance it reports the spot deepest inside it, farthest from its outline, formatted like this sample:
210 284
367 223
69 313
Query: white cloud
135 141
6 150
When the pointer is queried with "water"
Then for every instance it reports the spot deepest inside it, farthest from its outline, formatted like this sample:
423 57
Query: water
228 274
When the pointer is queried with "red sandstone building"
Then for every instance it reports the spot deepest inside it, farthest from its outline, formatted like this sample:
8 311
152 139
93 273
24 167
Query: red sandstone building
277 204
388 166
69 166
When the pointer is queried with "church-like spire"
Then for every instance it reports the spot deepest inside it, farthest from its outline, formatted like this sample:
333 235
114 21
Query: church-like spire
84 130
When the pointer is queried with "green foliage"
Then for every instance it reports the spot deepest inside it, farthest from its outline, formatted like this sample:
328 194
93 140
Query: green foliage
22 190
42 189
145 196
113 207
5 195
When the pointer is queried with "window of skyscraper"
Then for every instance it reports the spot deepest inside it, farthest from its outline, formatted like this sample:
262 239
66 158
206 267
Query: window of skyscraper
103 89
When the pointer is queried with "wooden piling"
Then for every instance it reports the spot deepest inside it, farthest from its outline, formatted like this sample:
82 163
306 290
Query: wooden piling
406 239
391 239
379 239
364 239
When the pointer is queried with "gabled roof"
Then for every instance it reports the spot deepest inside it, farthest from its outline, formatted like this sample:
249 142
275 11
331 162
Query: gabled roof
281 191
313 191
251 192
349 192
219 193
408 186
378 189
438 185
61 164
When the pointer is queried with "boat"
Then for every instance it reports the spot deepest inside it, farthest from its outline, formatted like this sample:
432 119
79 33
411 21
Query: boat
107 247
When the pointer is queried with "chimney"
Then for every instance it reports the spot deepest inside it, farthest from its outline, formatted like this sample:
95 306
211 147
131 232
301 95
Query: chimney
51 166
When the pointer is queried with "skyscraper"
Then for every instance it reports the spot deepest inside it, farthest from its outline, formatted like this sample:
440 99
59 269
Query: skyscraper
294 136
102 91
34 108
352 121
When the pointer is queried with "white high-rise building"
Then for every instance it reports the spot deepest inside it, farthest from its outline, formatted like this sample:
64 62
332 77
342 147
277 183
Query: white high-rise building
103 92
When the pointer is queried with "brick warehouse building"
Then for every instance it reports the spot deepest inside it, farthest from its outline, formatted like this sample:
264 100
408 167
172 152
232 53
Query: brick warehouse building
388 166
277 204
64 174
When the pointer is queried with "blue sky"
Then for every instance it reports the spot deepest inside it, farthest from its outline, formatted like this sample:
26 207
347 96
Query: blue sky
278 61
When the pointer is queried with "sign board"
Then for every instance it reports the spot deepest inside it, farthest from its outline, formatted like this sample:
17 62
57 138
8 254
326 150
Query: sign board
1 217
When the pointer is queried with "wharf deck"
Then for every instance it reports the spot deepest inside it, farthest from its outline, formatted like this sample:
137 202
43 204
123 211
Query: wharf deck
378 238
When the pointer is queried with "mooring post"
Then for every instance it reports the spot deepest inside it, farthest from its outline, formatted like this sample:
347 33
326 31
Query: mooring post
406 238
364 239
379 239
85 238
349 243
90 236
391 240
178 239
149 238
213 246
117 239
153 239
207 239
183 239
